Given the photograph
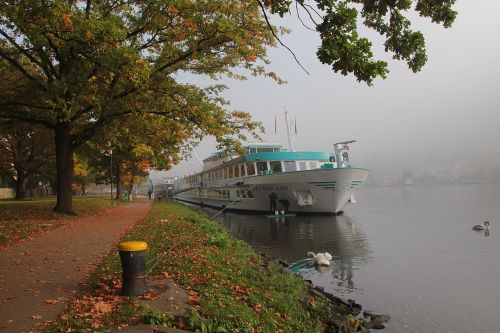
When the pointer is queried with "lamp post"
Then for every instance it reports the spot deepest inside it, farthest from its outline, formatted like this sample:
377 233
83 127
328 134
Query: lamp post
111 174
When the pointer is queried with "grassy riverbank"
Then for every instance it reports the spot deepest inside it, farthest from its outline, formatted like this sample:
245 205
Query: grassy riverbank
230 287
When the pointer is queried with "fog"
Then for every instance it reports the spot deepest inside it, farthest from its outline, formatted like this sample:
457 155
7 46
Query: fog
444 115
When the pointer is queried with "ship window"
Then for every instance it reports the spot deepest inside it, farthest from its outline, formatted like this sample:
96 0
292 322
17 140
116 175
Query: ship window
290 166
253 150
230 169
250 169
220 175
237 171
225 173
250 194
303 165
261 167
242 170
265 150
276 166
312 165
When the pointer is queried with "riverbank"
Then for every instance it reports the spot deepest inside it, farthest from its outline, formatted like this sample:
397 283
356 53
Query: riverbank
228 286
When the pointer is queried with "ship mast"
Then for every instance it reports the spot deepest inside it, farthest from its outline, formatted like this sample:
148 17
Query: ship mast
290 142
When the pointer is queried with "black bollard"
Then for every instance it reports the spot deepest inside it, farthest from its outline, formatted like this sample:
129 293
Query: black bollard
133 259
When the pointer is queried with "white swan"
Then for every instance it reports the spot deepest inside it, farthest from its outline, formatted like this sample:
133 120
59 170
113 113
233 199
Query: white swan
321 259
480 227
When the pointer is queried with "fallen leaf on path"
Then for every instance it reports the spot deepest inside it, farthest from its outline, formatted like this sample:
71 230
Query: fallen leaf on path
193 300
36 317
52 301
102 307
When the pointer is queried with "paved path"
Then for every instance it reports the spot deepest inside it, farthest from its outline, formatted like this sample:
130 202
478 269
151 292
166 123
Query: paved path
38 276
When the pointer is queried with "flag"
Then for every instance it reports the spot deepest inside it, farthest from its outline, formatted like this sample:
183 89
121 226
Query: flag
295 125
275 125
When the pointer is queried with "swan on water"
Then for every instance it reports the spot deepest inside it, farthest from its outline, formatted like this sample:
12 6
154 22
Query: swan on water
480 227
321 259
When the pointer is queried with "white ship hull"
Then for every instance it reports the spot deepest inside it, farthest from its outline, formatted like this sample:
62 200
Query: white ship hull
311 191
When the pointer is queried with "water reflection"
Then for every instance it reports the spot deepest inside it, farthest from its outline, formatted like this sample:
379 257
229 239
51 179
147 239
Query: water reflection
414 258
290 238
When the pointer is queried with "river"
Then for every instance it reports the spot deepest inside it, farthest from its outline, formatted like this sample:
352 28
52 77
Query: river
404 251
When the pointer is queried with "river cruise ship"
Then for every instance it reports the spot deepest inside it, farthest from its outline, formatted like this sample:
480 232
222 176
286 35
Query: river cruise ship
269 178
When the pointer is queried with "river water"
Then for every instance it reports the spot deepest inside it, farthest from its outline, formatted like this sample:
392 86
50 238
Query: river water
404 251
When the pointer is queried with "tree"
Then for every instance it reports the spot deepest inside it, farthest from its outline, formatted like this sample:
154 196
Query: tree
83 172
341 45
24 151
138 144
85 64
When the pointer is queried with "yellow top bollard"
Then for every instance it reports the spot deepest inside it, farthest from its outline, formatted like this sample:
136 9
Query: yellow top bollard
132 246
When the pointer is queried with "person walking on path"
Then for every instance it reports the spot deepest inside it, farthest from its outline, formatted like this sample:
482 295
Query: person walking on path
38 276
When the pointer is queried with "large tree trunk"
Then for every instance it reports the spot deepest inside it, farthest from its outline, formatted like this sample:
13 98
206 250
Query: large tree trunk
118 180
64 162
20 184
83 189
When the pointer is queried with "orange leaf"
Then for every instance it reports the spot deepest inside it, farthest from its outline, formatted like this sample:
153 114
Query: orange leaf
102 307
193 300
52 301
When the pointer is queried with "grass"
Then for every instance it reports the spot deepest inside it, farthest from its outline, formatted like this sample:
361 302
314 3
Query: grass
21 219
230 288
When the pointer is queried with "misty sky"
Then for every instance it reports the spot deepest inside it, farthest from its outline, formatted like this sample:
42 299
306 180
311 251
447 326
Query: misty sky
448 109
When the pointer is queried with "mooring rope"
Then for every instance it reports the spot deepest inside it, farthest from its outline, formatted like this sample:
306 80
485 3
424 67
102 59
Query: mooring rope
238 198
159 257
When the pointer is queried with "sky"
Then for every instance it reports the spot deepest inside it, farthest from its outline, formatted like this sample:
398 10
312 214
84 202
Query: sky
449 110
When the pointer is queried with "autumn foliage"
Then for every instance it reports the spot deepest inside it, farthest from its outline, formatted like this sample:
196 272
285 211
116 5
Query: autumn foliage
229 287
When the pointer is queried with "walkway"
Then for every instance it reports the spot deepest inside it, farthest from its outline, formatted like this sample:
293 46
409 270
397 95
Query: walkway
38 276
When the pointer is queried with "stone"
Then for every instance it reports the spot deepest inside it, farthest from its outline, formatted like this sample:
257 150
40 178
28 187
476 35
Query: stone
320 289
283 263
381 318
367 313
171 297
317 293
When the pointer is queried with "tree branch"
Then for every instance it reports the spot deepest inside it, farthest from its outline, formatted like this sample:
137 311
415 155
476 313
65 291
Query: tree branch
300 18
23 51
186 54
27 119
276 36
87 8
20 68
